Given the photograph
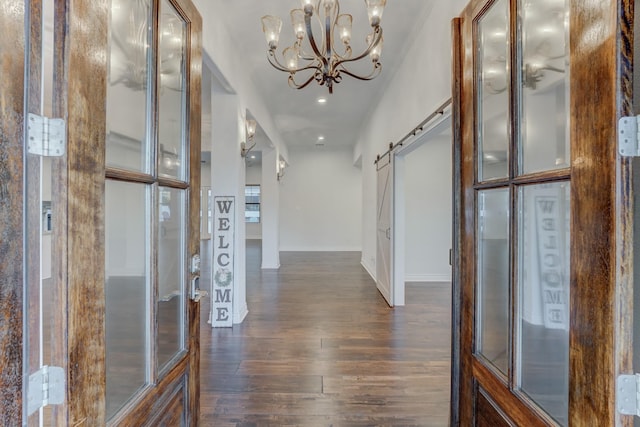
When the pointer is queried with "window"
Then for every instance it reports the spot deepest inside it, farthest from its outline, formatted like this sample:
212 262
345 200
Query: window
252 203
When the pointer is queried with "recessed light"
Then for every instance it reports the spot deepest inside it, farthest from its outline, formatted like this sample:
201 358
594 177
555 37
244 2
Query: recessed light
322 100
321 138
253 156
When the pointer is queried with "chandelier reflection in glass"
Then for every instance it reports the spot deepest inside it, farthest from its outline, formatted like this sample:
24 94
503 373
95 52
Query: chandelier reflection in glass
325 62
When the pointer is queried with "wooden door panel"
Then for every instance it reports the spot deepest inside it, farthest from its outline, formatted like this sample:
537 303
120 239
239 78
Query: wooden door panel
171 395
599 79
12 51
488 413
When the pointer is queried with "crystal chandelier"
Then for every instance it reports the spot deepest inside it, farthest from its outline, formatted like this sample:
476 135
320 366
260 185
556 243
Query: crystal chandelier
326 63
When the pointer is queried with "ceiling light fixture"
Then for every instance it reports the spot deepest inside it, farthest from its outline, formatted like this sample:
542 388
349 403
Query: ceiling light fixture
324 61
322 100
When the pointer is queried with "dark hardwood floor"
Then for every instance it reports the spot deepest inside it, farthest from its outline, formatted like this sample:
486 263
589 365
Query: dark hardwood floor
320 347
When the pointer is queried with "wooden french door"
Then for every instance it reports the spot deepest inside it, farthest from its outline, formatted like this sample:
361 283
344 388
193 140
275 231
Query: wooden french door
540 251
66 313
152 222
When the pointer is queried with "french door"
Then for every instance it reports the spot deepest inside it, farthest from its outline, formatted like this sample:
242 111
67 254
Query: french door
99 221
541 254
152 215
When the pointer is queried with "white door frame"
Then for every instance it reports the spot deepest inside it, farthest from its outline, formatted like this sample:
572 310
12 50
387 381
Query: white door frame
398 228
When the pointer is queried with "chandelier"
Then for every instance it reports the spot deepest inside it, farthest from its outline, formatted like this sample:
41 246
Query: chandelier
324 61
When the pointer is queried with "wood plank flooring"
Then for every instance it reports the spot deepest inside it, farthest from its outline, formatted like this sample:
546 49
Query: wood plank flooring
320 347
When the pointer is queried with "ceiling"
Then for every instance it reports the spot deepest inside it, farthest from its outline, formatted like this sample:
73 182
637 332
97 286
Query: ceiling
299 118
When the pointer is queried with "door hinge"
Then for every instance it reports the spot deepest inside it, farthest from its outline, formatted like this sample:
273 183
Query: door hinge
46 137
627 394
46 387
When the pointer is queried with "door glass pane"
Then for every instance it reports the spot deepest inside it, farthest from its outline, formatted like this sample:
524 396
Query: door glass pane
171 273
492 72
128 89
493 277
543 333
172 92
127 291
544 85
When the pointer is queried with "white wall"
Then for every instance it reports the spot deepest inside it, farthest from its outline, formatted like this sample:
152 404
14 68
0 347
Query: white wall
254 177
320 202
420 85
428 213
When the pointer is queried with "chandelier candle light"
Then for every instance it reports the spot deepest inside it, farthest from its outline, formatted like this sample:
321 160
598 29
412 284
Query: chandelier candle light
326 64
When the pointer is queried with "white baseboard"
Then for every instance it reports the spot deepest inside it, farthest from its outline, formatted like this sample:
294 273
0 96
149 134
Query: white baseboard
270 266
238 317
369 268
319 249
427 278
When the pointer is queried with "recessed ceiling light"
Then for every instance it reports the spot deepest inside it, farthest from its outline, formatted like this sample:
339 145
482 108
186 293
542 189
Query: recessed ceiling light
322 100
321 138
253 156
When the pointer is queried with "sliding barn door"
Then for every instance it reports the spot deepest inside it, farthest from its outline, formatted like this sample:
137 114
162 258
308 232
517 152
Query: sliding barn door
541 213
384 167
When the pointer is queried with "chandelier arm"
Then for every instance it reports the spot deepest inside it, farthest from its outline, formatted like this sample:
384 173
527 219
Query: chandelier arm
377 68
295 85
550 68
273 60
372 46
312 41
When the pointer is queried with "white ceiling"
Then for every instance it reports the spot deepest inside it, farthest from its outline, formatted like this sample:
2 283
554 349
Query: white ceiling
296 113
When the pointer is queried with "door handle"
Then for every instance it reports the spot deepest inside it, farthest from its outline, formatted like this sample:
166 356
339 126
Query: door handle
196 292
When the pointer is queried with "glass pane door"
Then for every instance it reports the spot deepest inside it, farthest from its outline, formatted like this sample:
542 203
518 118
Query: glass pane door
522 201
147 192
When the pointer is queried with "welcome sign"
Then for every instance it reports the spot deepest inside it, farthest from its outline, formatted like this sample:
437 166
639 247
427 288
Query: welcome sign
223 235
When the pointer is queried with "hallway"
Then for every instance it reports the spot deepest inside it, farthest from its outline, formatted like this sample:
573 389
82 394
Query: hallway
320 347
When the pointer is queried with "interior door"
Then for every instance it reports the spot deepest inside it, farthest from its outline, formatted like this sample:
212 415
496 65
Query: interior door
540 254
384 170
152 213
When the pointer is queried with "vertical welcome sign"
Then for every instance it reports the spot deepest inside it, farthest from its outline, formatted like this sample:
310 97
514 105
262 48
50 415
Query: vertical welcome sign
550 231
223 235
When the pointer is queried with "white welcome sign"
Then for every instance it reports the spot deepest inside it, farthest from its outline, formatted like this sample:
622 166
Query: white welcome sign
223 235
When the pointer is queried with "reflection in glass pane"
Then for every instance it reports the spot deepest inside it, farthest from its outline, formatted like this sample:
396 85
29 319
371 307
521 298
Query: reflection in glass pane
127 293
127 91
492 71
544 85
172 92
493 276
171 274
543 341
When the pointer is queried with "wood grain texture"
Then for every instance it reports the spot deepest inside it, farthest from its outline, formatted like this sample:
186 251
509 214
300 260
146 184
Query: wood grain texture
86 133
625 194
33 185
194 116
321 347
12 51
456 318
596 59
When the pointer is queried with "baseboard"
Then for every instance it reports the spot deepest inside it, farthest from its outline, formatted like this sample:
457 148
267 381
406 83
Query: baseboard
427 278
270 267
369 269
320 249
241 314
